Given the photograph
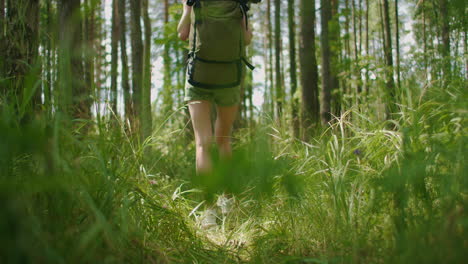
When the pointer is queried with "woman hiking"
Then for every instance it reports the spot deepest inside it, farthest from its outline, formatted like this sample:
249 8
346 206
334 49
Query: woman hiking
217 31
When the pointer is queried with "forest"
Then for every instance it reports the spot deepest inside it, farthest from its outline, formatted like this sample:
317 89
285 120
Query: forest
349 145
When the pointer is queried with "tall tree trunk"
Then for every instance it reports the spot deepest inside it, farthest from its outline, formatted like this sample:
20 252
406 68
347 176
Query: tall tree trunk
2 42
2 16
279 88
129 112
48 60
74 102
137 60
266 60
466 52
325 14
360 26
335 47
444 13
366 86
424 40
32 26
347 48
146 118
390 83
270 54
309 72
90 37
114 54
382 26
397 43
21 54
292 67
357 70
167 95
99 64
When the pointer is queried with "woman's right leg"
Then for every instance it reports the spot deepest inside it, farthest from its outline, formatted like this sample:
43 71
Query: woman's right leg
200 112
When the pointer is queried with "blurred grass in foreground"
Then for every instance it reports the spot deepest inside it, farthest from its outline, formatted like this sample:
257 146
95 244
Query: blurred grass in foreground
358 193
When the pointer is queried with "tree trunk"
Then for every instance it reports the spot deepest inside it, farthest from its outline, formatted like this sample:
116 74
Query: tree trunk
325 14
21 54
346 52
397 43
32 31
366 86
2 42
424 40
167 95
266 60
146 118
48 60
2 16
92 59
137 60
335 48
114 54
129 112
444 13
279 89
357 70
270 54
74 102
466 52
390 83
292 67
309 72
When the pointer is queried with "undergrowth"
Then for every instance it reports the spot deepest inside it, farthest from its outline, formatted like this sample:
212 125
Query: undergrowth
358 192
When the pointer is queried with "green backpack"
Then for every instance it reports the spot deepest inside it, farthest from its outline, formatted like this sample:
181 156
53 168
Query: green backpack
217 52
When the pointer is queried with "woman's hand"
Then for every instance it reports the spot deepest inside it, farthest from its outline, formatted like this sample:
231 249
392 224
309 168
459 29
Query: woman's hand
184 24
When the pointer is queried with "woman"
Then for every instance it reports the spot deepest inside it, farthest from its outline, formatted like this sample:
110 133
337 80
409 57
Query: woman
218 31
201 97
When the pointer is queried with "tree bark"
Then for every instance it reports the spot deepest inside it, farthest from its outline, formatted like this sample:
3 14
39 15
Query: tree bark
270 55
114 54
48 60
444 13
167 95
146 118
2 16
129 112
2 41
366 86
397 43
335 48
75 102
390 83
292 67
357 70
279 88
309 72
325 14
137 60
21 67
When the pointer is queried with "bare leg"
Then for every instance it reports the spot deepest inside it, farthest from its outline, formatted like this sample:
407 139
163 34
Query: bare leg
200 111
223 128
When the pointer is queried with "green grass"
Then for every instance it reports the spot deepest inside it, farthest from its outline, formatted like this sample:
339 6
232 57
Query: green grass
357 193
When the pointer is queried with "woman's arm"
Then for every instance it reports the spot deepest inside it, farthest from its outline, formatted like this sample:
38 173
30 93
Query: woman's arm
184 24
248 32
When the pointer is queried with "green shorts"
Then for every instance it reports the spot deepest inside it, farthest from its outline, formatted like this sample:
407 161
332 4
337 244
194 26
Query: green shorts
222 97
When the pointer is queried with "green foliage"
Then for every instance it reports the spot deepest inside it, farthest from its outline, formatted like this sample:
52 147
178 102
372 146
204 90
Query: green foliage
357 193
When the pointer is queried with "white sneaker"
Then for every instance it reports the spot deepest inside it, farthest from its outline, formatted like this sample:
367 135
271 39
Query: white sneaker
225 204
208 219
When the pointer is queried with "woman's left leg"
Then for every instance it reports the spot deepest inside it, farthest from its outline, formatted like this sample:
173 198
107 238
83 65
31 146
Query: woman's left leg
223 128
